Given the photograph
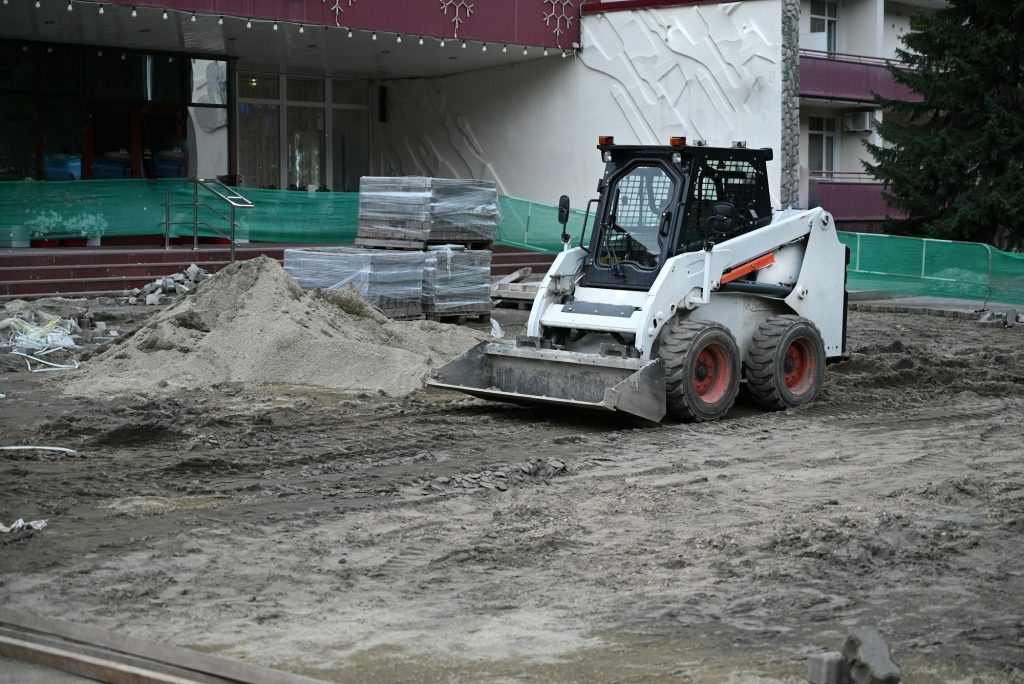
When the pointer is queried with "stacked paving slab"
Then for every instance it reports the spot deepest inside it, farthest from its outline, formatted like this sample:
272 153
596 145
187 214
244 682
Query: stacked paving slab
390 280
423 248
424 211
456 280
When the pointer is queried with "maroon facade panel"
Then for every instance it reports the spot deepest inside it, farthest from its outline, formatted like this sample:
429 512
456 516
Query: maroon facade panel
592 7
852 201
838 79
518 22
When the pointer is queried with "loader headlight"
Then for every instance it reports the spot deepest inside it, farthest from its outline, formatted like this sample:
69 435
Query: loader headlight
607 156
677 158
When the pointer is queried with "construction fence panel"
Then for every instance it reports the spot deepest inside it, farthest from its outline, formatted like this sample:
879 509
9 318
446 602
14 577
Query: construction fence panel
535 226
32 210
908 266
73 209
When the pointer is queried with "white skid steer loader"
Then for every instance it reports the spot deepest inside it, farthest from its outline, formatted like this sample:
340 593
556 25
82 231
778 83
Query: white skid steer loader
689 285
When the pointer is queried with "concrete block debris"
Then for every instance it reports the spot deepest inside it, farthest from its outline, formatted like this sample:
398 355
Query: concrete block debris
868 655
828 668
1007 318
163 288
864 659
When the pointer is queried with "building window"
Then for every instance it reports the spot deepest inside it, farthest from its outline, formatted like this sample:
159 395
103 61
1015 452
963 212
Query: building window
83 112
821 146
302 132
824 19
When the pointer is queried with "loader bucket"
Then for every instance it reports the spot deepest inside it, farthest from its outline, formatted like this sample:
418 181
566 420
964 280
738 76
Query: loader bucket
527 375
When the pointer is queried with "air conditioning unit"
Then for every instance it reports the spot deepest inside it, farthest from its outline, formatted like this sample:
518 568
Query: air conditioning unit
854 122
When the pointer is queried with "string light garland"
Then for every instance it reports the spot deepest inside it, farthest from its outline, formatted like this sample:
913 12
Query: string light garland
101 8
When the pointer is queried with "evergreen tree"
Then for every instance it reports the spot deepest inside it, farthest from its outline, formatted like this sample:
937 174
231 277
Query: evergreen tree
954 161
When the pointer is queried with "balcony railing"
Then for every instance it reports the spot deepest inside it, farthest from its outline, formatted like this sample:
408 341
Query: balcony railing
855 78
850 196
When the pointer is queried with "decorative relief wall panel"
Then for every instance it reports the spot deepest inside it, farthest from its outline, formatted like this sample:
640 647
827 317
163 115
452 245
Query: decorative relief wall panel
711 72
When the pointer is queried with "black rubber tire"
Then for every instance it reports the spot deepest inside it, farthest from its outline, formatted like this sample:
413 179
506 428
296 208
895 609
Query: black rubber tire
681 346
786 363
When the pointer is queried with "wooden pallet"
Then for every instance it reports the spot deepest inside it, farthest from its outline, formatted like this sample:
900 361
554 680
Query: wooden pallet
459 317
422 245
513 291
518 304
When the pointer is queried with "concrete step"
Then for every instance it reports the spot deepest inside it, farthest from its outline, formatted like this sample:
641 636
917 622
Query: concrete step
82 272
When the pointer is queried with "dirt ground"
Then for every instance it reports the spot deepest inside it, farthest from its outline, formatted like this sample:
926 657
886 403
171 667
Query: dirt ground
443 538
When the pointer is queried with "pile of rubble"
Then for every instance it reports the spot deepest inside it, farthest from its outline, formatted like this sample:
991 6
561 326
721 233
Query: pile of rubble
159 291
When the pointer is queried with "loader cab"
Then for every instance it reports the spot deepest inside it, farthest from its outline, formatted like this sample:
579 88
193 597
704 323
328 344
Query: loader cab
656 202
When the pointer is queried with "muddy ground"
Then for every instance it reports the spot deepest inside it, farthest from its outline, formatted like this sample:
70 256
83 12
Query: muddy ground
442 538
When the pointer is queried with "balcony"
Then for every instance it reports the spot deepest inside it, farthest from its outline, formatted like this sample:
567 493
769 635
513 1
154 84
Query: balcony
852 78
851 197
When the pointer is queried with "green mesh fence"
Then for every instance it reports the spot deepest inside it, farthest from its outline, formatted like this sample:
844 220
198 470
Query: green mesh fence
534 226
935 268
30 210
39 210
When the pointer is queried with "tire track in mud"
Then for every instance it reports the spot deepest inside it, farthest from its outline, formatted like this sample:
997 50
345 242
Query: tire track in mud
895 500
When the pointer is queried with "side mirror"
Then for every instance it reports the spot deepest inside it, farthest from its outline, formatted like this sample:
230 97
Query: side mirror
720 223
723 210
563 209
563 218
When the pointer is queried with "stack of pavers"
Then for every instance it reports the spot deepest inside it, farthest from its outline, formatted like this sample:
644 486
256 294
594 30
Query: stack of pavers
456 281
390 280
452 221
413 212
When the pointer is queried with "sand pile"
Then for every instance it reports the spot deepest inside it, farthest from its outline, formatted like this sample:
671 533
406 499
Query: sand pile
252 324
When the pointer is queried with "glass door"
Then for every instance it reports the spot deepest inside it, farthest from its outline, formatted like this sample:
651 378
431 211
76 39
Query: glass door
113 143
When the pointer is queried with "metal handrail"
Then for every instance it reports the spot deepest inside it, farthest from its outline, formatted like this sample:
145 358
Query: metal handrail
856 59
231 197
234 200
843 177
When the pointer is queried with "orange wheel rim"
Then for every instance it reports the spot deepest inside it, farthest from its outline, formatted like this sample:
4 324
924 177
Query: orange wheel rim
711 373
799 366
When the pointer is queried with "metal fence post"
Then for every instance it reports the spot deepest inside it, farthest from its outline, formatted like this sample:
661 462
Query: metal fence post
195 214
232 233
167 219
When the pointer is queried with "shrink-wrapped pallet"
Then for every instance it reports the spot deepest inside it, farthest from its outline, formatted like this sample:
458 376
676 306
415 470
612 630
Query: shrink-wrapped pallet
456 280
391 280
415 208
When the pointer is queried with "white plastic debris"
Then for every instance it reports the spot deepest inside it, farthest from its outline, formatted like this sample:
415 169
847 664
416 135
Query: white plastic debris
20 524
63 450
32 342
496 330
26 336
